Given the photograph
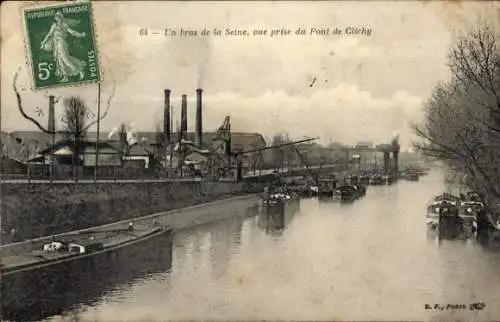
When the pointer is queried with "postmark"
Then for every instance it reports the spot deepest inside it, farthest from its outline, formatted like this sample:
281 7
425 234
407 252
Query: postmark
61 45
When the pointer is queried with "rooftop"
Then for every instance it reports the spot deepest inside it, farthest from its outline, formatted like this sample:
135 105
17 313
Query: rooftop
44 139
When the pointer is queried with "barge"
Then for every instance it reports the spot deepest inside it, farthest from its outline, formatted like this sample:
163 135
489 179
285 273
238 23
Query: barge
469 213
388 179
277 210
442 211
376 179
349 192
74 267
364 179
410 175
324 187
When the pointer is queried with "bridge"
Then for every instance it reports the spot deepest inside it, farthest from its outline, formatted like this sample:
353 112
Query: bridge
390 152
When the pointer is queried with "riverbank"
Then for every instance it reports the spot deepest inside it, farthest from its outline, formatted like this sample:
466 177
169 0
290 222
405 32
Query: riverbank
35 209
176 219
31 210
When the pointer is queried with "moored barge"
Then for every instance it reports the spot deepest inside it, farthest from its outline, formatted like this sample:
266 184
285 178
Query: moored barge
277 210
349 192
376 179
410 175
469 213
441 207
61 272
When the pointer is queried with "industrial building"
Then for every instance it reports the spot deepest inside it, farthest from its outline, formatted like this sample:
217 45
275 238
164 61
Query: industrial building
166 149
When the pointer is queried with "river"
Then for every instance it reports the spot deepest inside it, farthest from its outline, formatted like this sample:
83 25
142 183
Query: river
369 260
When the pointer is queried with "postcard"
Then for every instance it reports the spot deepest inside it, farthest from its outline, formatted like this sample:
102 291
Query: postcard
240 160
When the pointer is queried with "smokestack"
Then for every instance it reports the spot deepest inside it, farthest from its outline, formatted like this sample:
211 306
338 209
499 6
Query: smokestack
199 118
166 117
184 115
51 126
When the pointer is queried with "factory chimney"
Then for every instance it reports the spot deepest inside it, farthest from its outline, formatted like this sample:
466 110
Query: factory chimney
166 118
184 116
199 118
51 126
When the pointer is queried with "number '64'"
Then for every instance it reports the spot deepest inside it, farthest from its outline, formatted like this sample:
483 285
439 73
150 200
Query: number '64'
44 70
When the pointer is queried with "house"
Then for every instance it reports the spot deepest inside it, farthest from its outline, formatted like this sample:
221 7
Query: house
240 142
62 153
139 155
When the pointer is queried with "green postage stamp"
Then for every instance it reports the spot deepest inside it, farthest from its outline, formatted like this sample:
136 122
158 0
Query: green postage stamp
61 45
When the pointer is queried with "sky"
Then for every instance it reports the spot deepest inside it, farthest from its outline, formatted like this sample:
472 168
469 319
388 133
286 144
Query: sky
364 88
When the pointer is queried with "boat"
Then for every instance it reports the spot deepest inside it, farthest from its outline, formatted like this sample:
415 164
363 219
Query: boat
469 212
473 196
62 271
297 186
447 198
349 192
376 179
410 175
277 210
440 207
364 179
351 179
388 179
324 186
279 201
423 171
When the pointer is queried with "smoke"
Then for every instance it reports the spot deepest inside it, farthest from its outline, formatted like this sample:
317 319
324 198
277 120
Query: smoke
204 63
194 54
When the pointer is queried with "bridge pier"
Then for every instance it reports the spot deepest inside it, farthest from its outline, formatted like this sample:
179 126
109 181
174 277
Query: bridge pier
387 160
395 157
391 164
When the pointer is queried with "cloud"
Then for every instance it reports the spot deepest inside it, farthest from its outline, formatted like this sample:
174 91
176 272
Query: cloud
344 113
364 87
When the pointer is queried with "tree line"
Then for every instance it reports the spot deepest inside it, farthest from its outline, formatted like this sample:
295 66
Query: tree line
462 116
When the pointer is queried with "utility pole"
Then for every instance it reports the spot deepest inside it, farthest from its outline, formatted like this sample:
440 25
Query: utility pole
52 128
98 130
1 227
171 145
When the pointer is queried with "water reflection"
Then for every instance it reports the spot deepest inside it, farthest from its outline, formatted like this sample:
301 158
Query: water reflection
223 240
369 260
273 220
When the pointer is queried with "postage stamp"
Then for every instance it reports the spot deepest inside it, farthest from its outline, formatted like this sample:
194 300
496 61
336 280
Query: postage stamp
61 45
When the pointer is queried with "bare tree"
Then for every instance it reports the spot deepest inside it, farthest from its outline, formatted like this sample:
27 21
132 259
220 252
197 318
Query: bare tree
75 115
462 124
76 121
90 120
